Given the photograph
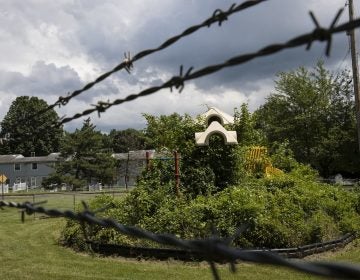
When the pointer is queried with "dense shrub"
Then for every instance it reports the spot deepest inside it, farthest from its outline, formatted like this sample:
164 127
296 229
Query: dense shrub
279 212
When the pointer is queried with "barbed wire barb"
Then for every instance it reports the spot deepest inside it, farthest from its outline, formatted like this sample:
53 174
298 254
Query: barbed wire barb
222 16
178 81
128 63
324 34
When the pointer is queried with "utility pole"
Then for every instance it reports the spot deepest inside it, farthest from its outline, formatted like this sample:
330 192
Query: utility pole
355 70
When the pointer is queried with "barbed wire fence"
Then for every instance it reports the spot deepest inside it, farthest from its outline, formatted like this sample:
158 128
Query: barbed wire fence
178 82
214 249
218 16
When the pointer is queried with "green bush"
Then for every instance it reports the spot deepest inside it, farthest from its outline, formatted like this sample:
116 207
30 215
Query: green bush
198 181
282 212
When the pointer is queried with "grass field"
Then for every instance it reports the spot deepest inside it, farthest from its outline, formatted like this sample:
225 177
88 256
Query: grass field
31 251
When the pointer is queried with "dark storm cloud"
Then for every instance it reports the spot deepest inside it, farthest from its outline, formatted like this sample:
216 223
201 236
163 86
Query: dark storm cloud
244 77
267 23
49 80
44 79
246 33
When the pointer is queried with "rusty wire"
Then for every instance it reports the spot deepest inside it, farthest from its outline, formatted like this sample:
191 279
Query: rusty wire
218 16
318 34
214 249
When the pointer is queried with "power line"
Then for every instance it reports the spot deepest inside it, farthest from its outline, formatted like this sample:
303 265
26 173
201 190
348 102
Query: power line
342 61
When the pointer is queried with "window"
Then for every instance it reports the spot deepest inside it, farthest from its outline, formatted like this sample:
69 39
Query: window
33 181
17 167
18 180
34 165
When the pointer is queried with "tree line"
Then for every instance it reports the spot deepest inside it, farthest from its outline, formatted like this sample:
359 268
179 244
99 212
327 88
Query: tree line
310 116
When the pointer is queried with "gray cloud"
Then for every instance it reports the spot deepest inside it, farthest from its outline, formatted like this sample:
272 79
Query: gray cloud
56 47
44 80
47 78
248 32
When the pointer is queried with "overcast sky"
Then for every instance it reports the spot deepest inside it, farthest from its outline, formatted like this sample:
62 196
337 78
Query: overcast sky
50 48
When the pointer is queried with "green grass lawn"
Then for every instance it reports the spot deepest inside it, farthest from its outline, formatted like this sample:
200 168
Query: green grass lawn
31 251
63 201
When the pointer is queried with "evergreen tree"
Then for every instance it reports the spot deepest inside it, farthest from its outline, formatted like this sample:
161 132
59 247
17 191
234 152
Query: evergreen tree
85 159
244 124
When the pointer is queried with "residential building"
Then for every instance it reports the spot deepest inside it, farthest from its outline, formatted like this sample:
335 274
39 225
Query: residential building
26 172
130 165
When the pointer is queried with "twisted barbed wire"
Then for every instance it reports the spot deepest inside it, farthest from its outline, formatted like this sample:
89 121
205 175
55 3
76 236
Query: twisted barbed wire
213 249
318 34
218 16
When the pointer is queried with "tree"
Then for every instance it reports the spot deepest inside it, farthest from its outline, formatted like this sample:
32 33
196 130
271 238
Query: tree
203 169
85 159
129 139
170 132
244 124
26 133
314 111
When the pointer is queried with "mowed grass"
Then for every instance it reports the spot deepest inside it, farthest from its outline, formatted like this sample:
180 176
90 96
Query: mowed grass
30 250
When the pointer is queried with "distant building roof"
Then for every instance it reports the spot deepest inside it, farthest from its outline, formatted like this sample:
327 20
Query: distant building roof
141 155
133 155
8 158
21 159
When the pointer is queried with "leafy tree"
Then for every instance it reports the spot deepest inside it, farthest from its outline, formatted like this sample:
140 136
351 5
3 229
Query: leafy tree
27 134
314 111
221 159
215 165
125 140
85 159
172 132
244 124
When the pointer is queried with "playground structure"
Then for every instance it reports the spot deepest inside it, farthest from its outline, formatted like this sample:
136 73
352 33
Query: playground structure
215 120
257 160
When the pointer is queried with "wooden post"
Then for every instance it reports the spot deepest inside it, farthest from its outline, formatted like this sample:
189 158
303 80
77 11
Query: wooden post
177 173
147 155
355 70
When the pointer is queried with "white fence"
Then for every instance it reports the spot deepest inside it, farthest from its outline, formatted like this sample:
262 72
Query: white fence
4 188
19 187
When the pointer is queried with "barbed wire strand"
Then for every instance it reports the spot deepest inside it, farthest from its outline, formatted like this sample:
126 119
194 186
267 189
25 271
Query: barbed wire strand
318 34
213 249
218 16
